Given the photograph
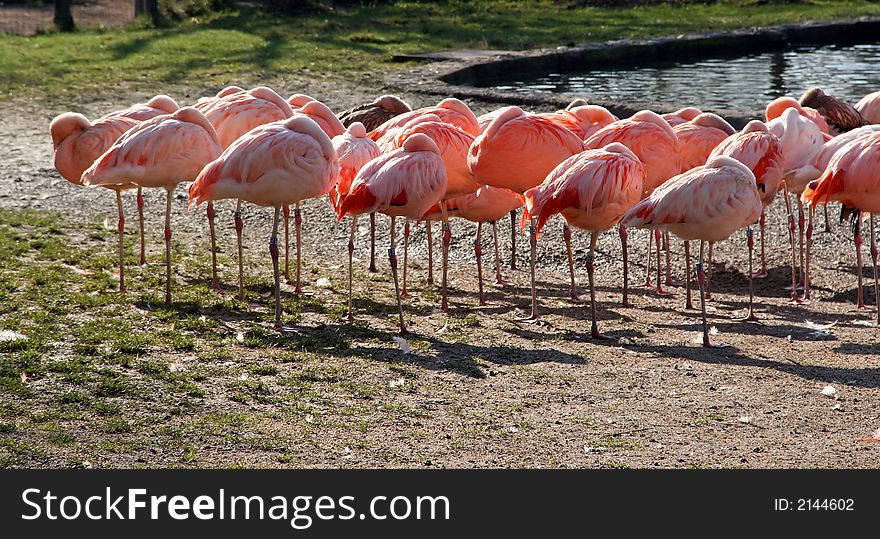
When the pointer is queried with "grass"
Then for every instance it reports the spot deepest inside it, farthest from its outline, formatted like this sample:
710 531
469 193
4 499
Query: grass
246 46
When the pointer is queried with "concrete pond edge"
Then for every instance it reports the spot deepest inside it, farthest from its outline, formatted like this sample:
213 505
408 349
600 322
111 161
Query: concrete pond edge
452 77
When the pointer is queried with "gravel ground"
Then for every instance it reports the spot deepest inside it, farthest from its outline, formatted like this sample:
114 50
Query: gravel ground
496 392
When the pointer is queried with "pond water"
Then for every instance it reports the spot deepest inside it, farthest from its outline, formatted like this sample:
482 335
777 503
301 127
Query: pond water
745 82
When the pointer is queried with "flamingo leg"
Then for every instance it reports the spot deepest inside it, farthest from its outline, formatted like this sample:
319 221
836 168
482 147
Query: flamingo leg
701 279
801 232
763 272
874 267
140 204
297 221
447 239
499 279
404 293
660 291
709 271
566 233
273 251
594 328
392 261
215 284
120 227
827 221
791 226
812 211
624 235
350 267
478 252
860 304
239 227
168 247
285 210
688 304
513 239
428 228
373 242
750 241
533 245
647 283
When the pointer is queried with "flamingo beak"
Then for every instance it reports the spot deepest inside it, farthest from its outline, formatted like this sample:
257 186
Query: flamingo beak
762 187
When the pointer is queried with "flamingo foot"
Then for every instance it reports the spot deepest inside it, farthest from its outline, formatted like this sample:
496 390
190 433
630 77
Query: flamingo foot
762 274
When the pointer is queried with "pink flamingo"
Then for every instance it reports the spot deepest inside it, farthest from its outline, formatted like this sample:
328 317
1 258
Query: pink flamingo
812 171
681 116
160 152
516 152
450 110
354 150
486 205
654 142
332 127
707 203
776 107
801 141
454 144
698 137
853 179
233 113
297 101
76 156
405 182
838 114
583 121
592 190
761 151
869 108
276 164
372 115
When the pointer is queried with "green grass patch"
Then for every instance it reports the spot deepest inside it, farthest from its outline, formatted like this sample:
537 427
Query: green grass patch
243 44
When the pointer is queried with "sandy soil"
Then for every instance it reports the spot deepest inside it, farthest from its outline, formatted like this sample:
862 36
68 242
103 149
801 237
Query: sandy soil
492 391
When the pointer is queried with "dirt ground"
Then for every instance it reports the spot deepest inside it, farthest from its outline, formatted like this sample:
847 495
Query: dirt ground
478 388
30 19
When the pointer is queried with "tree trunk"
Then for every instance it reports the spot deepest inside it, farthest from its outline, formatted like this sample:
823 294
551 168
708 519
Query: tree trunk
153 9
63 16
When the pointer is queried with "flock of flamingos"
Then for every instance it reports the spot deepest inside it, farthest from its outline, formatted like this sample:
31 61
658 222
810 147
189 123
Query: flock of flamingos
686 173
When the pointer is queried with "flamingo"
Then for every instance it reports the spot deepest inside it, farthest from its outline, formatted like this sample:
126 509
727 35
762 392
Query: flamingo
332 127
801 141
681 116
869 108
853 179
376 112
276 164
405 182
78 142
813 170
776 107
592 190
654 142
372 115
160 152
486 205
707 203
297 101
838 114
698 137
234 112
516 152
450 110
354 150
761 151
583 121
454 144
